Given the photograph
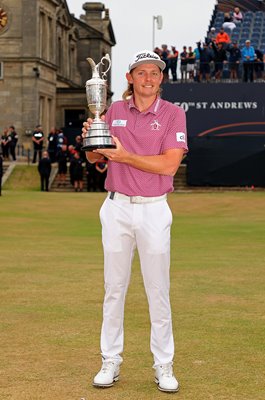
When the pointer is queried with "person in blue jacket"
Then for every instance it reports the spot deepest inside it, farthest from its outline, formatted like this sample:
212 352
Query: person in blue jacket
248 57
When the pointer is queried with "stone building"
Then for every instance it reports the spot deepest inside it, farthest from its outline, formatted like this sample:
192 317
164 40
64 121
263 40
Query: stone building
43 67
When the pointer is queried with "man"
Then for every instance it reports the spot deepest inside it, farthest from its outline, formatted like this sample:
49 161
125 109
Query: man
150 138
44 169
248 56
223 37
52 145
234 60
183 64
37 138
13 139
173 62
205 59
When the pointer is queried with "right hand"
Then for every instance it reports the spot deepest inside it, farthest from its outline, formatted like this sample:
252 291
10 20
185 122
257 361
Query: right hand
87 124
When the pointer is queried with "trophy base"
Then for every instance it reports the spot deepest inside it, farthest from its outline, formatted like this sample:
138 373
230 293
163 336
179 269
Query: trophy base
99 146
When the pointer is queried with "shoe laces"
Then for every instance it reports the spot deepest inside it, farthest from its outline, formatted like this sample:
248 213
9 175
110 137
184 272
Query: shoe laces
107 366
166 370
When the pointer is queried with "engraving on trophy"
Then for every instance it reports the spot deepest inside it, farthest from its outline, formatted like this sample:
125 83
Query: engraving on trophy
98 135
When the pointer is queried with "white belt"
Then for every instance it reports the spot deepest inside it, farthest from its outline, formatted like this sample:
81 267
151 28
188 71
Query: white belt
135 199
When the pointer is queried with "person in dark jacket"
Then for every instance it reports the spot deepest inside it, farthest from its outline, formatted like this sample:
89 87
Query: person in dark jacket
219 59
76 167
44 169
205 59
13 139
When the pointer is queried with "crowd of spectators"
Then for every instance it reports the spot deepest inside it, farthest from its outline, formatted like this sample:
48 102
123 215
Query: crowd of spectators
69 158
217 58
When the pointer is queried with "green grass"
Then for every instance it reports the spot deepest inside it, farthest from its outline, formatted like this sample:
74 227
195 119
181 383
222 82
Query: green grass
51 291
23 177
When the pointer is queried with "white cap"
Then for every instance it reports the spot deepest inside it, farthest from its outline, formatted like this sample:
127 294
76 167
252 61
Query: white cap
146 57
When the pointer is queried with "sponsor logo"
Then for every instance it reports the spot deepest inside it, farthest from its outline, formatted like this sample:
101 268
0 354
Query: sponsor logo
155 126
119 122
180 136
146 55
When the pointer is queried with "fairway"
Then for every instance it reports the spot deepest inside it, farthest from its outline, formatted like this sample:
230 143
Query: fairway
51 292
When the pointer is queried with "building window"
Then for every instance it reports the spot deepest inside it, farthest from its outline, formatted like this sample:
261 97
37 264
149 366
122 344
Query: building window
1 70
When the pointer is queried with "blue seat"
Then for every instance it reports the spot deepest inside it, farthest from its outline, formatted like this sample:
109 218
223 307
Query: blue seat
246 24
255 35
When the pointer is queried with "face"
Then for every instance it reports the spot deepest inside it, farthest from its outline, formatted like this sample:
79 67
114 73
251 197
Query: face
146 80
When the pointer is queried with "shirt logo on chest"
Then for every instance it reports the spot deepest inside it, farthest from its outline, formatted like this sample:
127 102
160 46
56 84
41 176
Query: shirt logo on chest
155 126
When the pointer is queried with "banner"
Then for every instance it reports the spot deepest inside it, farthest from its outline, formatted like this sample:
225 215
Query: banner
226 131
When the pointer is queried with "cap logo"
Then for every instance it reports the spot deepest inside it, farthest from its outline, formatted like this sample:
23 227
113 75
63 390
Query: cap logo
145 55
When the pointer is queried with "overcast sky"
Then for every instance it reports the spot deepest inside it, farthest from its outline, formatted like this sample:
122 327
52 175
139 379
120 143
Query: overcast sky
184 23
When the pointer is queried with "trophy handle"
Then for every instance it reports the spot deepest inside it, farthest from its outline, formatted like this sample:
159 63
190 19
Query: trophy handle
95 67
107 58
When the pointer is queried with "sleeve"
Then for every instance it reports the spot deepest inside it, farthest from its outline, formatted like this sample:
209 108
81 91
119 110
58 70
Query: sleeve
176 135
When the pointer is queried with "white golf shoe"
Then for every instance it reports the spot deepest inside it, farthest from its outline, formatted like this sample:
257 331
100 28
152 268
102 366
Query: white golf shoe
108 374
165 378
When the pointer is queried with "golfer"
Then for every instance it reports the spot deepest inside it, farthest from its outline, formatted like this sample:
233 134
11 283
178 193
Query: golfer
150 138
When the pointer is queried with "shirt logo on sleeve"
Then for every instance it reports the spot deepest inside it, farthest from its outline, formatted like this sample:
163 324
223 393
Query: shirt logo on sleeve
155 126
180 136
119 122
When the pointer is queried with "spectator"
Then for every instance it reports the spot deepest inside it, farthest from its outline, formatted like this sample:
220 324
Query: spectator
44 169
183 64
219 59
1 173
223 37
258 64
173 62
37 138
77 172
211 37
78 147
191 63
234 60
165 57
101 168
228 24
61 139
197 65
237 16
5 144
62 157
91 177
205 59
13 138
52 145
248 56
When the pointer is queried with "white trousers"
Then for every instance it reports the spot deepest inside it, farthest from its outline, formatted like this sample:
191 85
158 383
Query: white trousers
126 226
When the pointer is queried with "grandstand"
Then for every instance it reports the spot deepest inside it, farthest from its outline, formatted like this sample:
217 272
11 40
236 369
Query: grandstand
253 25
226 120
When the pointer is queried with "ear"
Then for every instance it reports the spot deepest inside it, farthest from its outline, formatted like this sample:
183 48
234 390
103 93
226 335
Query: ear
129 77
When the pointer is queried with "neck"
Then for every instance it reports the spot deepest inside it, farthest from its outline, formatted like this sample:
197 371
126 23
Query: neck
144 103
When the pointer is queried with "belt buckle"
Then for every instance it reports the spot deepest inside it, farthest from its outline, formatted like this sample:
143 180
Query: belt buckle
136 199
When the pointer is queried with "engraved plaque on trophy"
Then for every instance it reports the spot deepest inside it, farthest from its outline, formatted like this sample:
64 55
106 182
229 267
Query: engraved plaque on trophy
98 135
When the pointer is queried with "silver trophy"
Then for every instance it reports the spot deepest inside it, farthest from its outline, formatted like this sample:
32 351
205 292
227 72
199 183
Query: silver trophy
98 135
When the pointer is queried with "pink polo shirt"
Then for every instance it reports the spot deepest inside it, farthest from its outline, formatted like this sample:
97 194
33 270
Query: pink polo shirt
161 127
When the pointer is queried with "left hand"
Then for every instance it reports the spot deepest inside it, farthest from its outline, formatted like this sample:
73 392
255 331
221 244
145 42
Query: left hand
119 154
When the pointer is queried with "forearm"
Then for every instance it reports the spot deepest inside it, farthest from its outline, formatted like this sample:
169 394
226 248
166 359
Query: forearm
158 164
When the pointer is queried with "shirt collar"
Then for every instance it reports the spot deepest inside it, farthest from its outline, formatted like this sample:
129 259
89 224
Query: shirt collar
153 109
